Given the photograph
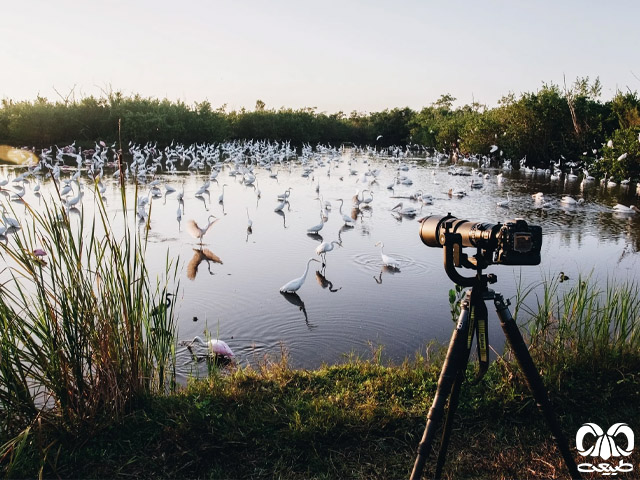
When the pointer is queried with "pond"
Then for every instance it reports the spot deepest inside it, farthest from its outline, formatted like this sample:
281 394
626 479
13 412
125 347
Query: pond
229 287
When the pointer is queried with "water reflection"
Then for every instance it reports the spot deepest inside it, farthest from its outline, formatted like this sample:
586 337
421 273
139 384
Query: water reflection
294 299
324 282
199 256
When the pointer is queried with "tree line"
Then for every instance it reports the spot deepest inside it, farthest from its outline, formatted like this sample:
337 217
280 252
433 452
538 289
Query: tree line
554 125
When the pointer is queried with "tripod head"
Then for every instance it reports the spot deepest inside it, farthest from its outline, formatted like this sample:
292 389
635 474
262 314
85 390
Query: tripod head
455 257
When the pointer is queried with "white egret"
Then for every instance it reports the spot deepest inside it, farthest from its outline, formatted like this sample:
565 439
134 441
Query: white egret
221 197
216 346
285 195
316 228
296 283
72 202
348 221
325 247
632 209
406 211
196 232
8 221
568 200
249 222
504 203
387 261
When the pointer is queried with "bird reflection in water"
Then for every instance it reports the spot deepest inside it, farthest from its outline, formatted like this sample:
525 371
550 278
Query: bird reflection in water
324 283
199 256
315 236
284 218
385 269
294 299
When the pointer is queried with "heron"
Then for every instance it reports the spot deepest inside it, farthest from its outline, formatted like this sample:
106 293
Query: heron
348 221
325 247
387 261
221 197
504 203
196 232
407 211
295 284
316 228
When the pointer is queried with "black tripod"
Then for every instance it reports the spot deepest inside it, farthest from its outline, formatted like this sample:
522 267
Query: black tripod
473 320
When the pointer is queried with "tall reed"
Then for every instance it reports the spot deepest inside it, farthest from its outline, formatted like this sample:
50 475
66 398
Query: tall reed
583 317
85 329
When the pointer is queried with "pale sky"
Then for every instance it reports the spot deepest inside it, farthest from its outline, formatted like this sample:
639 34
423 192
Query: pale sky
364 55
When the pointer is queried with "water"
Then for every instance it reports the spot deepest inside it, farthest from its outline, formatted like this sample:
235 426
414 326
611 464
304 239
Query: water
354 304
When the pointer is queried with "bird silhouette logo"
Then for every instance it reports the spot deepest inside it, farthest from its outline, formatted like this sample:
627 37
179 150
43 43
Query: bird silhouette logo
605 445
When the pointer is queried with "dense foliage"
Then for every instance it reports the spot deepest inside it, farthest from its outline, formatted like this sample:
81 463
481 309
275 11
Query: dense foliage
568 127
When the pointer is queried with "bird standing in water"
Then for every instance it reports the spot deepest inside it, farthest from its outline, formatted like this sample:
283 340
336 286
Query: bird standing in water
196 232
296 283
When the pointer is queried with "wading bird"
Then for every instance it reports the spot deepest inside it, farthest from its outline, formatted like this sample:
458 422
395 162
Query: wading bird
504 203
216 346
196 232
325 247
296 283
624 209
387 261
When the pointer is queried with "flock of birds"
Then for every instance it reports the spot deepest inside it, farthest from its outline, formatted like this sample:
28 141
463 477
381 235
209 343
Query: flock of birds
249 162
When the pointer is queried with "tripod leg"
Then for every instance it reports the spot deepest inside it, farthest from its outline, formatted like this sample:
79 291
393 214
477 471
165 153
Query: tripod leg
514 337
454 361
478 319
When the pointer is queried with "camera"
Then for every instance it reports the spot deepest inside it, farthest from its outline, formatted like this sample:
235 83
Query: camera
511 243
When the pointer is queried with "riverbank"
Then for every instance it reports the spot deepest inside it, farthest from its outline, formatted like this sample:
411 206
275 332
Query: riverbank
356 420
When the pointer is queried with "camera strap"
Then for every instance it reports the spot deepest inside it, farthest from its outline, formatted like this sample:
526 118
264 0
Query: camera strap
478 327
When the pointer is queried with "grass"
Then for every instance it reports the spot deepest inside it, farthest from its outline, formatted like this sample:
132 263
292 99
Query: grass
356 420
87 383
85 330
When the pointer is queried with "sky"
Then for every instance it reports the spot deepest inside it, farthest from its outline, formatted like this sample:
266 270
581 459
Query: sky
348 55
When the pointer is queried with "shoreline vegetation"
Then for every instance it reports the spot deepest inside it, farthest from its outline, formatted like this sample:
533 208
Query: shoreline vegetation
87 381
564 127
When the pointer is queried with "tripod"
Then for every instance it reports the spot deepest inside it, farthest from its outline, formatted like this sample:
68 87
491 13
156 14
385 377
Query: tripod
473 320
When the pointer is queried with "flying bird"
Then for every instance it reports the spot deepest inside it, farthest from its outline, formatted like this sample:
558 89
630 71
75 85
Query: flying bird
196 232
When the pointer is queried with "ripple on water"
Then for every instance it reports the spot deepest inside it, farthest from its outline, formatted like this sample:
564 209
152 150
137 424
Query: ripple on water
372 264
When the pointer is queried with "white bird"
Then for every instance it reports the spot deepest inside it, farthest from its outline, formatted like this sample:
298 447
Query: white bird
325 247
387 261
75 200
221 197
406 211
249 222
8 221
285 195
296 283
567 200
348 221
622 157
494 148
504 203
624 209
316 228
196 232
216 346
